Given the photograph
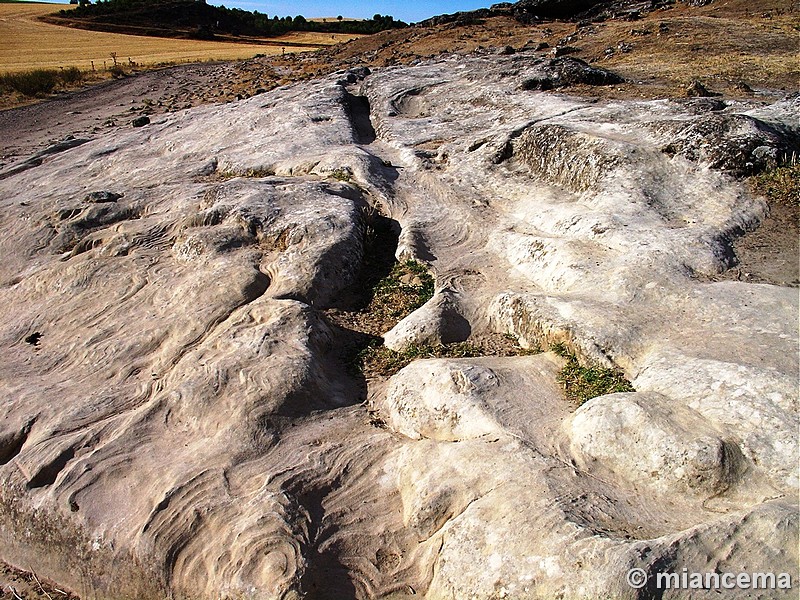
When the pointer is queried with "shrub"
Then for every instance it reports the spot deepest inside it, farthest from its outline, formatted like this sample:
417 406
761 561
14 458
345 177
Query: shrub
31 83
39 82
71 75
781 184
117 72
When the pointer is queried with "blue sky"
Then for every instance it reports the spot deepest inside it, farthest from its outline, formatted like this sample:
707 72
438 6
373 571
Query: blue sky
405 10
363 9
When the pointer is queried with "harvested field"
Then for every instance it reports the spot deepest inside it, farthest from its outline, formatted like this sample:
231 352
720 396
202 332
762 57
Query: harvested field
27 43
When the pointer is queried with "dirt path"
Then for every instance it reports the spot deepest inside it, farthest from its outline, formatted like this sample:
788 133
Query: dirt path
90 111
26 129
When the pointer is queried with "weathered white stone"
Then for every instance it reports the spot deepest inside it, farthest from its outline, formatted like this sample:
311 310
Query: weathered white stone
449 407
647 439
436 322
177 419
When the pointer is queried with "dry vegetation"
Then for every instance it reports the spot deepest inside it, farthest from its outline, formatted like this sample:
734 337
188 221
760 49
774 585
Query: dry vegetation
780 185
15 584
724 44
40 81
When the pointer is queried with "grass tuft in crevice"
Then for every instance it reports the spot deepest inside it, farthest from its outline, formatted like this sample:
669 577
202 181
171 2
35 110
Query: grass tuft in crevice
251 173
780 185
377 359
407 287
581 384
343 174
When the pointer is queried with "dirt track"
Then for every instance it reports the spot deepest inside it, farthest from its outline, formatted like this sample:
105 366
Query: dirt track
106 105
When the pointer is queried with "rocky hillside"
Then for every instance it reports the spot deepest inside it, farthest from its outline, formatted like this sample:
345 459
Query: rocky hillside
191 302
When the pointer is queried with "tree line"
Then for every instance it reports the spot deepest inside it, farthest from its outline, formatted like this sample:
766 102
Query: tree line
204 20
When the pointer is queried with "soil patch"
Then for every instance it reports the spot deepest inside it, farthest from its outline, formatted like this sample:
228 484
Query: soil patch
771 253
15 584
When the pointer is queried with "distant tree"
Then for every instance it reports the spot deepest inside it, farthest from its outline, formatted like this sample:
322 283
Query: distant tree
166 14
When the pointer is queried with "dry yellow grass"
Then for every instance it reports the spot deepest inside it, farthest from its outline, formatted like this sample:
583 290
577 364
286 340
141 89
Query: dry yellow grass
27 43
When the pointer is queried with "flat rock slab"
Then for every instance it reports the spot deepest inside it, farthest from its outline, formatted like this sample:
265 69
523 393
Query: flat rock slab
178 418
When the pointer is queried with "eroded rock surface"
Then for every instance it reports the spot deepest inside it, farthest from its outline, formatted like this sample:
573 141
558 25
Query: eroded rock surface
178 418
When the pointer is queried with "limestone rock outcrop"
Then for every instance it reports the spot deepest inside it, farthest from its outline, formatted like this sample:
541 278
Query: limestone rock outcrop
178 419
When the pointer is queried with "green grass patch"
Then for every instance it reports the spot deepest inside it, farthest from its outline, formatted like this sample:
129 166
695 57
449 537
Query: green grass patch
408 286
39 82
780 185
584 383
254 173
377 359
342 175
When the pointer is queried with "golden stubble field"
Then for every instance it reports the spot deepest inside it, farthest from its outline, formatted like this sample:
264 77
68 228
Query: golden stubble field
27 43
